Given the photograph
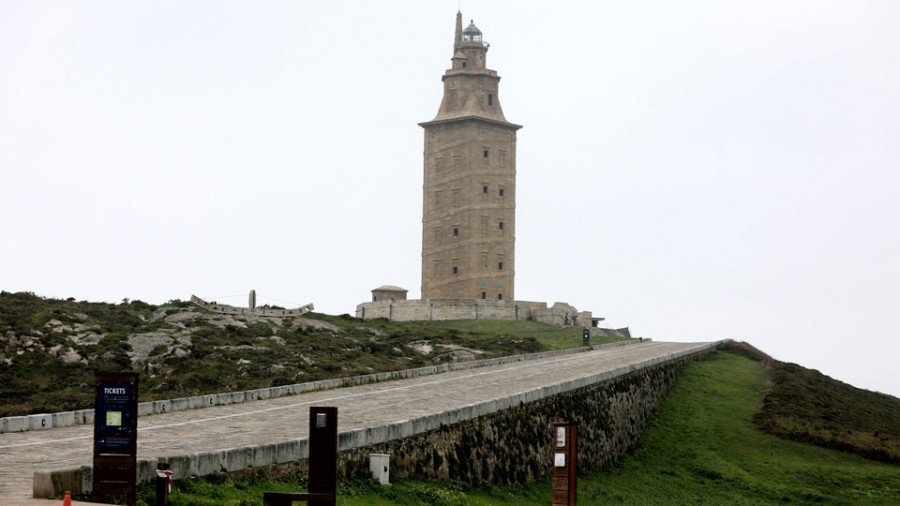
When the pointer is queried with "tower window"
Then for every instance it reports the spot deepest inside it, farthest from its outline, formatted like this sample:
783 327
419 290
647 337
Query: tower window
486 153
455 232
484 189
483 295
500 266
501 225
455 270
464 64
501 192
490 99
499 296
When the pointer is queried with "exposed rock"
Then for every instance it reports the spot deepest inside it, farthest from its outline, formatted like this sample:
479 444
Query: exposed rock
181 317
184 338
421 347
275 339
243 347
143 344
159 314
275 370
374 332
308 323
86 338
224 320
80 316
80 327
180 353
72 357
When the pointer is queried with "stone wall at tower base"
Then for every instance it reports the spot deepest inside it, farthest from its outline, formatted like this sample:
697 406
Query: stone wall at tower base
474 309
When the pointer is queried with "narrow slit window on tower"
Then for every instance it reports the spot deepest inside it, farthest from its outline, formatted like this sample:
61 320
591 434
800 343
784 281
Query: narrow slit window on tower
490 99
500 266
486 152
455 232
499 296
455 270
501 225
501 192
464 64
483 295
484 189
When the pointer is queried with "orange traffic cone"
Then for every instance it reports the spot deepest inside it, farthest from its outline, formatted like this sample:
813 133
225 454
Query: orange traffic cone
68 500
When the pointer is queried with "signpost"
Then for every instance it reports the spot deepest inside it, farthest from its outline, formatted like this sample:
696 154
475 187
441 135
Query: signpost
323 446
115 436
586 337
565 446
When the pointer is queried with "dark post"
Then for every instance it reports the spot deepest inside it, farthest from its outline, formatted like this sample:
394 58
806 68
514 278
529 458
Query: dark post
565 447
163 484
115 436
323 444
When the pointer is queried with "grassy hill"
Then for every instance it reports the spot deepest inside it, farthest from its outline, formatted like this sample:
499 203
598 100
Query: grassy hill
739 428
703 447
50 348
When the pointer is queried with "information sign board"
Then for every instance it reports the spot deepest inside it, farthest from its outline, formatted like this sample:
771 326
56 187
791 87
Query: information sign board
115 436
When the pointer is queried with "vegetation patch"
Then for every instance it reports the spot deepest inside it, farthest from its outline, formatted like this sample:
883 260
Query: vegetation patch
805 405
50 348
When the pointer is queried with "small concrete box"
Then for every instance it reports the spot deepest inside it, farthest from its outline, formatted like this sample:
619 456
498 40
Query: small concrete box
379 464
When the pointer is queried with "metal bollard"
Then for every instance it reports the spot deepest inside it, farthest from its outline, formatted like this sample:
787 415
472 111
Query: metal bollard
163 484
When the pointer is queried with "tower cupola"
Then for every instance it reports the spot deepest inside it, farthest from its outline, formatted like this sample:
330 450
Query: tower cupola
471 33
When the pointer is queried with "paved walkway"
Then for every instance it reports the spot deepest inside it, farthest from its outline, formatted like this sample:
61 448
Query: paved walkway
286 418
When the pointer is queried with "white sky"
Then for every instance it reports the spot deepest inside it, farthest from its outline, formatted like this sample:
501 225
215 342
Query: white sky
693 170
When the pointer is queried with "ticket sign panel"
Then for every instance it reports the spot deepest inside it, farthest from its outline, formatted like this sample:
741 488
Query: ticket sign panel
114 416
115 437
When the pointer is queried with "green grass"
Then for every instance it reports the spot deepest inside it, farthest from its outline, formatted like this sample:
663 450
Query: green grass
701 448
550 337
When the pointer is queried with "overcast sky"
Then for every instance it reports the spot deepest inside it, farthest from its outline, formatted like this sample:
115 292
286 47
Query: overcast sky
692 170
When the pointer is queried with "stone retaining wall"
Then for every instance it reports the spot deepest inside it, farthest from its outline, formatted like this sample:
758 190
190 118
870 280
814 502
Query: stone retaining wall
498 440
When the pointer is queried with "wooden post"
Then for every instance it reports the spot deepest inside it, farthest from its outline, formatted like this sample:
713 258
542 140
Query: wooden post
565 447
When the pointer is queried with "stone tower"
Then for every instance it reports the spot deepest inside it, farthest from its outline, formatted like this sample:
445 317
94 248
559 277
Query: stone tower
468 222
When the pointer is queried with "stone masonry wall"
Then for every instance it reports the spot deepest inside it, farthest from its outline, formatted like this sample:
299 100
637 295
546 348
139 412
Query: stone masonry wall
515 445
473 309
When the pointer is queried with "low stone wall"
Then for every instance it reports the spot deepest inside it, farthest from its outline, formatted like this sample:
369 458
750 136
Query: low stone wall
473 309
504 440
86 416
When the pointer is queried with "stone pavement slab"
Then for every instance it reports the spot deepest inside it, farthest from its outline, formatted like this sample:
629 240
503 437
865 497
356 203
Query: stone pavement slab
286 418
